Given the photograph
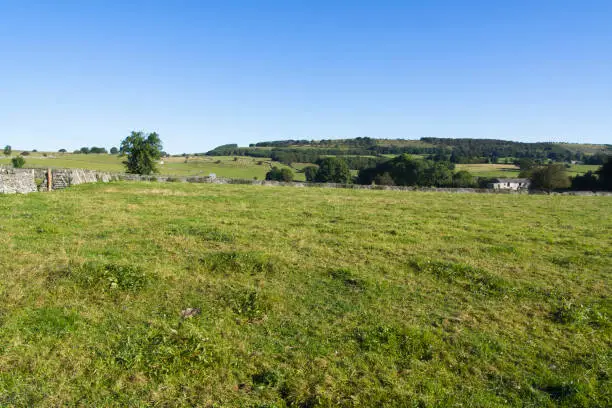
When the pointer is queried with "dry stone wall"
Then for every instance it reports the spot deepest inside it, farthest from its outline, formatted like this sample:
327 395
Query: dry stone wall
29 180
16 181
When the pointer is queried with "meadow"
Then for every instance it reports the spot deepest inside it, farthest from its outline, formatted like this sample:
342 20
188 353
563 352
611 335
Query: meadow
222 166
243 167
151 294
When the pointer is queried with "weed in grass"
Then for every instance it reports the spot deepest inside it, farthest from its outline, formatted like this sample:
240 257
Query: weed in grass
109 276
48 321
472 279
205 233
247 263
348 278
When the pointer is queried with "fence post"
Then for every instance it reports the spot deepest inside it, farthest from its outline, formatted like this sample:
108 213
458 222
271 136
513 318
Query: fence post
49 180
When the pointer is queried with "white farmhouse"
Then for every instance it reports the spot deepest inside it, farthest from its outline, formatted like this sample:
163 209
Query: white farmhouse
509 184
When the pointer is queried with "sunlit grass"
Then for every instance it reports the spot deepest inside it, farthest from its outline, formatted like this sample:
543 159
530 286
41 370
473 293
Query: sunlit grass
304 297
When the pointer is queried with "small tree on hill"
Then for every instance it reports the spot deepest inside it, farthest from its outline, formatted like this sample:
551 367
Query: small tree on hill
18 162
7 150
142 151
62 151
114 150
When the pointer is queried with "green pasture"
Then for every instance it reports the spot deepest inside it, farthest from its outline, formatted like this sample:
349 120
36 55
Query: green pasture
222 166
176 294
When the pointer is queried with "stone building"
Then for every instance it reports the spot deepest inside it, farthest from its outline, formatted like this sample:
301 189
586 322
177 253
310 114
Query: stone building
510 184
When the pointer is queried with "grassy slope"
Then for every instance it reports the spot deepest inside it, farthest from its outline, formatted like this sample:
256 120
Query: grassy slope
244 167
510 170
307 296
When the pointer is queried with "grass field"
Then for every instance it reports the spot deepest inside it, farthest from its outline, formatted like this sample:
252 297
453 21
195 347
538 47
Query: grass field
222 166
510 170
233 167
307 297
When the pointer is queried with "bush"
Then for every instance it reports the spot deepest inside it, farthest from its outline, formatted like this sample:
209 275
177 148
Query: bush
25 153
550 177
18 162
277 174
310 172
333 170
463 179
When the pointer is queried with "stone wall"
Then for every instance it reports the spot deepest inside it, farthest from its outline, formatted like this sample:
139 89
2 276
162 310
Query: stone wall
16 181
24 181
63 178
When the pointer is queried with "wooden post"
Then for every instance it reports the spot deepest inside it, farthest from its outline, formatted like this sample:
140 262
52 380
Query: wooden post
49 180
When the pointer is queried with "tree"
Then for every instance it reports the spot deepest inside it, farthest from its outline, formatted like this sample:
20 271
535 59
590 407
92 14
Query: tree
586 182
84 150
384 179
277 174
310 172
463 179
62 150
526 164
142 151
8 150
97 150
605 175
114 150
333 170
18 162
550 177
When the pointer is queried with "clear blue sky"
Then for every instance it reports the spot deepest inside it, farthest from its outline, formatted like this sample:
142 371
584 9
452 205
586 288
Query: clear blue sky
205 73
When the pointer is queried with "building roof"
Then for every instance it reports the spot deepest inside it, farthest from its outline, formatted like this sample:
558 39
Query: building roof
511 180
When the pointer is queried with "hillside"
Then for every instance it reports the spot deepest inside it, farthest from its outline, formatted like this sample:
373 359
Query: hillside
303 297
455 150
225 166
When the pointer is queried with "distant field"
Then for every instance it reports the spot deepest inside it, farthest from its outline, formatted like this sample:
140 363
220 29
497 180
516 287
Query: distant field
510 170
306 297
222 166
490 170
241 167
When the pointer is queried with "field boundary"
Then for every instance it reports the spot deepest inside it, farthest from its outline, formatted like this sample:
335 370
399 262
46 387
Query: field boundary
30 180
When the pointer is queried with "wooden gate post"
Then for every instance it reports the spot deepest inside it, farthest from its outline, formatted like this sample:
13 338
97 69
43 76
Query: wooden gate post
49 180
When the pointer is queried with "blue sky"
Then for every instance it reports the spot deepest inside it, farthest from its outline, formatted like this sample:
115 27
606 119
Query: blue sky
205 73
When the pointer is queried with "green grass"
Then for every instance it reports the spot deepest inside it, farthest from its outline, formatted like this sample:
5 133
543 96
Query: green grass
490 170
510 170
222 166
577 169
306 297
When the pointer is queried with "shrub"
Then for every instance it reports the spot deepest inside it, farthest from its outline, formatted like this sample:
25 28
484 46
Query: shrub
25 153
18 162
333 170
277 174
310 172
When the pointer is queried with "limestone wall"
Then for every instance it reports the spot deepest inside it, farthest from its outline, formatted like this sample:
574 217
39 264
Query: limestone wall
25 181
16 181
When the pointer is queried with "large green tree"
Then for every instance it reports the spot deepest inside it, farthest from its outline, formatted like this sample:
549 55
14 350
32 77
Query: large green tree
333 170
142 151
277 174
550 177
7 150
605 175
